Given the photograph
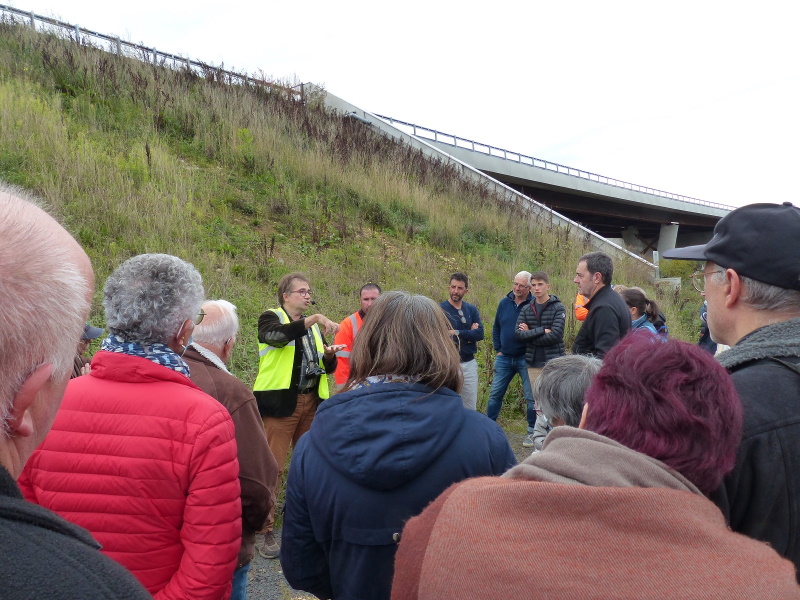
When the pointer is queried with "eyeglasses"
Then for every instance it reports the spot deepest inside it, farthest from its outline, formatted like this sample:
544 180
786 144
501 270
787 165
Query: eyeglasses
461 314
200 316
302 292
699 279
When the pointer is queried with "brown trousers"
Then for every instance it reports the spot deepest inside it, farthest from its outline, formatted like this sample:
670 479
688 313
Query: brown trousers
283 432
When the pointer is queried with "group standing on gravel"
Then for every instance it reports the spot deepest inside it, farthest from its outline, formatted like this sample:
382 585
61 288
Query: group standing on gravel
154 476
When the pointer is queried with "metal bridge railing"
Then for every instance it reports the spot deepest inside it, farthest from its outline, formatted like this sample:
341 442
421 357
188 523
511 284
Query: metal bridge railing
459 142
114 44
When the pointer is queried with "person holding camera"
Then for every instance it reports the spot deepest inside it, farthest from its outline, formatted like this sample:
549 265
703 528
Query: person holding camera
294 359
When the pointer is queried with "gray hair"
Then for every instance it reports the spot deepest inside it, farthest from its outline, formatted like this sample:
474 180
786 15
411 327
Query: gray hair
218 326
524 274
764 296
43 297
148 297
561 386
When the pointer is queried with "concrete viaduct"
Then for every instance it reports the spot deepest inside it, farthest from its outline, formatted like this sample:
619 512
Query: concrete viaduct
640 219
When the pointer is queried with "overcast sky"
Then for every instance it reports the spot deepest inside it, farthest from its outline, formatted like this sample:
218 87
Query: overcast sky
699 99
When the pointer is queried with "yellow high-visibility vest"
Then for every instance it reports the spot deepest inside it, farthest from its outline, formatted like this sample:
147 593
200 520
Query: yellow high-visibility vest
275 364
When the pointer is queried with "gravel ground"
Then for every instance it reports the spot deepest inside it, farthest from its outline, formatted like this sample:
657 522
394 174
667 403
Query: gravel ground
266 580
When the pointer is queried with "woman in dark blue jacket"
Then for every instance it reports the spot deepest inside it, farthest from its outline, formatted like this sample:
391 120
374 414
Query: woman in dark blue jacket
380 451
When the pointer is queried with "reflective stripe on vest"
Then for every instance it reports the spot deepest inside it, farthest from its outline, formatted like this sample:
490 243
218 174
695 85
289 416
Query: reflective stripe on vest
354 321
275 365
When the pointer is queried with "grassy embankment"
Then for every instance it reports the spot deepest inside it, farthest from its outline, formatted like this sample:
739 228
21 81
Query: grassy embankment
248 185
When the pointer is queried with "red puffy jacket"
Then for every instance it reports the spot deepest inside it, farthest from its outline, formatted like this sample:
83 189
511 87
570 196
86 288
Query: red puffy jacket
145 461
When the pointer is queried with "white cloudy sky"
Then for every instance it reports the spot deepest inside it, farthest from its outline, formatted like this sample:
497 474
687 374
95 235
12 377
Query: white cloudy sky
696 98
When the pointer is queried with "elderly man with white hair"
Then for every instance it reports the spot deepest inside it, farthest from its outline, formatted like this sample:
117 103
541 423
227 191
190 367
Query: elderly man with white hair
208 357
139 455
510 359
46 285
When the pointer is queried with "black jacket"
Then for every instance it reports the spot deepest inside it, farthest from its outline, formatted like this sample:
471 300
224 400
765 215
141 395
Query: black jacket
607 323
553 316
761 496
44 556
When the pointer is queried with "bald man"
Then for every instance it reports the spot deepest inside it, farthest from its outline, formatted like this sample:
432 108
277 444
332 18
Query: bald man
46 286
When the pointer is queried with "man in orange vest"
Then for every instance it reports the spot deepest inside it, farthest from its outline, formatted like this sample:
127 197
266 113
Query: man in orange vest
348 330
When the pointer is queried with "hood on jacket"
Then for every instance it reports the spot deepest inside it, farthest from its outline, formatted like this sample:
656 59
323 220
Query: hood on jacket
384 435
580 457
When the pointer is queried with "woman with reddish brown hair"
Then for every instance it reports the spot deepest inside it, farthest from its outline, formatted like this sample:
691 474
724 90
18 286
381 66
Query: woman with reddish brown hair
616 508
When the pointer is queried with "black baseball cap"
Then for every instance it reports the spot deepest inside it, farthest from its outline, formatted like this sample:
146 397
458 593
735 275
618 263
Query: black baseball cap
759 241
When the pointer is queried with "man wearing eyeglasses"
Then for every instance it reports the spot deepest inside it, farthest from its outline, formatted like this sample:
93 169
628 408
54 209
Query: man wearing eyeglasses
466 328
294 359
510 359
751 280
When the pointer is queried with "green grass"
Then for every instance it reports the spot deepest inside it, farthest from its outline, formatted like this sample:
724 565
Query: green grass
249 184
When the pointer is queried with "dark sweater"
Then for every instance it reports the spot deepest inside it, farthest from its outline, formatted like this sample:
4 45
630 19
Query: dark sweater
607 323
505 324
467 338
45 556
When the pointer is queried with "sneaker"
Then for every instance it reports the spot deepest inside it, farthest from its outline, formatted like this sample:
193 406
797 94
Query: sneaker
271 547
528 441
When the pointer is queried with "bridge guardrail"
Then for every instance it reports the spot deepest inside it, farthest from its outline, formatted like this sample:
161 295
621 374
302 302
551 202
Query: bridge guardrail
488 149
121 47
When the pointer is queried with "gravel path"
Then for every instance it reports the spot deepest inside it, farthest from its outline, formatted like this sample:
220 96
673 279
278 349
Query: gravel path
266 580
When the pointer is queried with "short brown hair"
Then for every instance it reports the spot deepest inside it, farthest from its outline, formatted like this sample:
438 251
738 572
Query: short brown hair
540 276
405 334
286 283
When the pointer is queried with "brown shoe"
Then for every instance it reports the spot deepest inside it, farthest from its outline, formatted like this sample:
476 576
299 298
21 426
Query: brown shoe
270 548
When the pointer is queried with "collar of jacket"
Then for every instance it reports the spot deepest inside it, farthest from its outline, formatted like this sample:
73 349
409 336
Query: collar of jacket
209 356
599 293
510 296
580 457
778 339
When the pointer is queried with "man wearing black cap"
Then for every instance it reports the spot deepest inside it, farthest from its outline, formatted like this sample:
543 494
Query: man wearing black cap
751 280
80 365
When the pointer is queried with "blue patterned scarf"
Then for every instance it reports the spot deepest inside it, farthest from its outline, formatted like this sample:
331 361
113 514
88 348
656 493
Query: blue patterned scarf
161 354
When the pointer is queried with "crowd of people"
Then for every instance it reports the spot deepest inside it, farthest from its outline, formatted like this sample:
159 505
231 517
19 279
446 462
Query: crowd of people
656 469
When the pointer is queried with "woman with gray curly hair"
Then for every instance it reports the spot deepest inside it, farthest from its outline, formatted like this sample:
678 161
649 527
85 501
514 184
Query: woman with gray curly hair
138 454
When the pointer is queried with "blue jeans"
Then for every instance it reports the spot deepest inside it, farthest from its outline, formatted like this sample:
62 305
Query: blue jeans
239 589
505 367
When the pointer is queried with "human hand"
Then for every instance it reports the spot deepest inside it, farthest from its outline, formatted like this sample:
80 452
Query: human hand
547 330
334 348
86 369
523 327
474 326
330 328
453 332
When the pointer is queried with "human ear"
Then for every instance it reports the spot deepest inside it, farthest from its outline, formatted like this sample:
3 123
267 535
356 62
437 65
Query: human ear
20 422
584 414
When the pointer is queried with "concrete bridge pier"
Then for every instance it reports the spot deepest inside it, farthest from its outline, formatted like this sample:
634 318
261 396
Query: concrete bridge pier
667 237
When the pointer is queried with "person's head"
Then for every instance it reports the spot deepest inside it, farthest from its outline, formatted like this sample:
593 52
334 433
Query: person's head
294 292
406 335
540 286
639 304
46 286
671 401
561 387
153 299
521 286
89 333
218 329
594 271
459 286
368 293
751 276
